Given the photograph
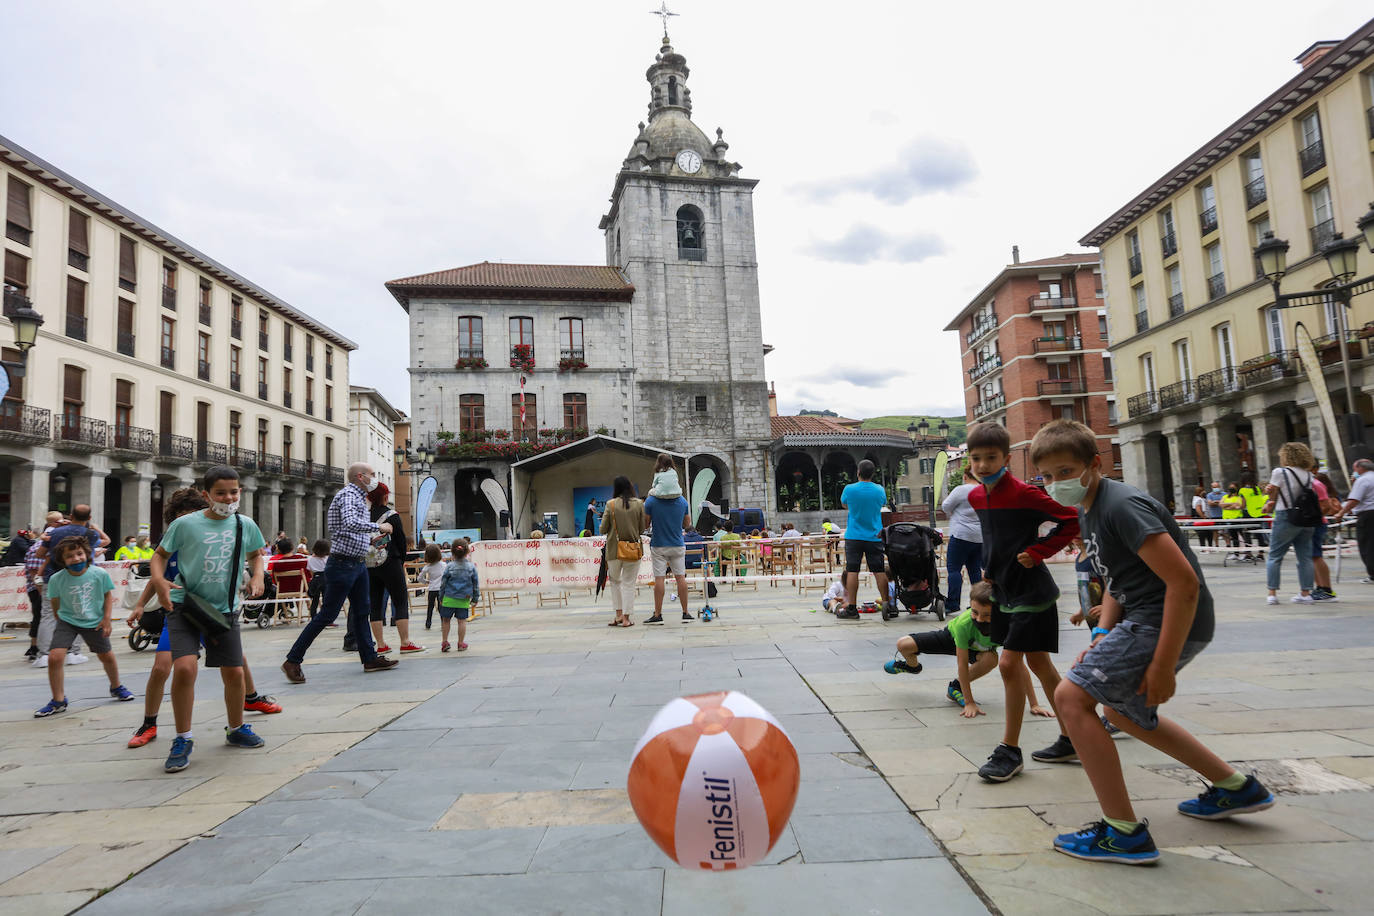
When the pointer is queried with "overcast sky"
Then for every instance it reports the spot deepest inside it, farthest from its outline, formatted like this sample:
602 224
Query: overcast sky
323 148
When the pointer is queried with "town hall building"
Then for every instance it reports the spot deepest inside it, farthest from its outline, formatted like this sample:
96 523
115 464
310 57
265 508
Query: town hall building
550 380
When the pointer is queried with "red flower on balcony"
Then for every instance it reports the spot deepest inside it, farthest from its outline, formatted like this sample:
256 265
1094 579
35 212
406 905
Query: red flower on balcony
470 362
571 364
522 357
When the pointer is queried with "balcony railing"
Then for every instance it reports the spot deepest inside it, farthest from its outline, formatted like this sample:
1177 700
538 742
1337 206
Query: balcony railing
131 439
269 463
983 368
572 353
1142 322
18 233
211 453
124 343
169 358
1216 286
21 423
1056 344
15 300
1328 347
1177 394
1168 244
262 341
989 405
309 362
1056 386
169 297
1207 220
236 328
329 369
981 326
245 459
178 449
78 260
205 314
262 390
1270 367
334 475
1256 193
1142 405
286 399
296 468
85 433
1175 305
235 381
1312 158
1133 262
203 370
1050 303
1218 382
76 327
329 414
310 407
691 254
1322 233
286 352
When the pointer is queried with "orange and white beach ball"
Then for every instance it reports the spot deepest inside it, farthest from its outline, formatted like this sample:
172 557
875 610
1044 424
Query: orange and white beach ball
713 780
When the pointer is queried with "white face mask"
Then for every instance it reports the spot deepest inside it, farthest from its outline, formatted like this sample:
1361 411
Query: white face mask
224 510
372 484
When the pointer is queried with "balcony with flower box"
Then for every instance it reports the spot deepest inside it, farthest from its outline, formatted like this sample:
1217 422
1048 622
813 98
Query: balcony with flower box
1270 367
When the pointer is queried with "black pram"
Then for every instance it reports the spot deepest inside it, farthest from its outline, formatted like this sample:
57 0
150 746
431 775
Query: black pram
911 563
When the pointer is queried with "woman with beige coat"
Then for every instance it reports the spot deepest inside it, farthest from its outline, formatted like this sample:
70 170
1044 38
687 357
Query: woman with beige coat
623 520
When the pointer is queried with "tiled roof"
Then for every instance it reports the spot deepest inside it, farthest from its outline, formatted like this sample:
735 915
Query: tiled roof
826 426
1061 260
559 279
1082 259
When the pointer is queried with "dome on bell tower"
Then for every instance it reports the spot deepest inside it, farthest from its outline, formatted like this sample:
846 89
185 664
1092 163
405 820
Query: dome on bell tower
671 132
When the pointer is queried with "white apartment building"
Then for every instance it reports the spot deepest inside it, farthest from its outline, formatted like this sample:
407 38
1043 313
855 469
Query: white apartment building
154 363
371 432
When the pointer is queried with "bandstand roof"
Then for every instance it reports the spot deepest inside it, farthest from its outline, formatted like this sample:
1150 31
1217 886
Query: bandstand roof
824 432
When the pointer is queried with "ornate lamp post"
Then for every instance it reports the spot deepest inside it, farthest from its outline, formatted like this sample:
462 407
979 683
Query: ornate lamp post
26 321
919 433
1341 256
418 463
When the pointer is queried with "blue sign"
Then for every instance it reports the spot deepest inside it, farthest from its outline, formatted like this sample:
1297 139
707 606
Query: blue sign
423 499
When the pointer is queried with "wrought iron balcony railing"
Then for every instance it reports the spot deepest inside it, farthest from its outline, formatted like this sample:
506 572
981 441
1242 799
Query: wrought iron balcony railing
1218 382
1141 405
20 422
86 433
131 439
1312 158
171 447
1216 286
1168 244
1207 220
1256 193
1175 305
1056 386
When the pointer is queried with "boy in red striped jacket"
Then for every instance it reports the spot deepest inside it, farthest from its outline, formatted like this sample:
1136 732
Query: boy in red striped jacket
1025 620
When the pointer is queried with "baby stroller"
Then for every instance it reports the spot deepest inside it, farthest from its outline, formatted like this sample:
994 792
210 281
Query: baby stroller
911 564
149 626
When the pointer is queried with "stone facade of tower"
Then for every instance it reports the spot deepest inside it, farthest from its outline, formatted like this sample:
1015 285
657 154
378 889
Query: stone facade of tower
681 227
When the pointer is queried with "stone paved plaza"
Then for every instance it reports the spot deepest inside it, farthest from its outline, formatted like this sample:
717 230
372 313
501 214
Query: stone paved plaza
493 780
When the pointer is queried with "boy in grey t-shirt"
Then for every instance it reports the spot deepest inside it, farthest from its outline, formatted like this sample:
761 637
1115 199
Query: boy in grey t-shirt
1156 615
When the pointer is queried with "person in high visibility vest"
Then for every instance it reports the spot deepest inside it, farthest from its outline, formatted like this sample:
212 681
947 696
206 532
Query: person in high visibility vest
1255 500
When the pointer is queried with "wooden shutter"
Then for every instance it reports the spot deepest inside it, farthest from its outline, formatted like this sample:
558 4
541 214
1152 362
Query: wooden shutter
16 392
18 212
77 233
76 297
17 271
71 383
128 260
124 393
126 317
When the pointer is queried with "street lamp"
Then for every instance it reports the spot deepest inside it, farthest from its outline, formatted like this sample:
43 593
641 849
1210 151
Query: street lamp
26 321
918 433
418 462
1341 256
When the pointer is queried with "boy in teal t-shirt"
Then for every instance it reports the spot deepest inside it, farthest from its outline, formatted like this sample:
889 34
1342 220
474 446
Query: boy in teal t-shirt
204 545
968 637
83 602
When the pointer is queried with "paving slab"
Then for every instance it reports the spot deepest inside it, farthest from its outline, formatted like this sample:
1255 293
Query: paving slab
1335 875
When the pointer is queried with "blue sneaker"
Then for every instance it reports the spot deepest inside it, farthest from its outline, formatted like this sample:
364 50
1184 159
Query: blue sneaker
900 666
1101 842
1217 803
121 693
180 756
243 737
53 707
955 694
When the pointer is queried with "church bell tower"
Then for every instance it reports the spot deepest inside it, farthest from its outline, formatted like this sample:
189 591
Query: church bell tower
681 227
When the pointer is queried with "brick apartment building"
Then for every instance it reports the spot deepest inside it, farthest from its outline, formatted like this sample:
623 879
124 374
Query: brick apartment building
1035 348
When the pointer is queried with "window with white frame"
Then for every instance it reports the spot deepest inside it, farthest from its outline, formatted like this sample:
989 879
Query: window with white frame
1214 265
1226 347
1273 329
1147 371
1183 361
1139 292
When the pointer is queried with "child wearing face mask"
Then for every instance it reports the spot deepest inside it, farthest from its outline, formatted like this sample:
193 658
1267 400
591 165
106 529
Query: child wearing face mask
1156 616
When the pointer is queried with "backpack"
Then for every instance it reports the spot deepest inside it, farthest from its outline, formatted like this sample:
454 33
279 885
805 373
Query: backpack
378 549
1305 510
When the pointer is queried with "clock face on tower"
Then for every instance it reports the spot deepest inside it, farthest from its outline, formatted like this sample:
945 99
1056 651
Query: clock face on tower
689 161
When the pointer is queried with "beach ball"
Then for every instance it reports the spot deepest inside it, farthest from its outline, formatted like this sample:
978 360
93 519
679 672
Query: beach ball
713 780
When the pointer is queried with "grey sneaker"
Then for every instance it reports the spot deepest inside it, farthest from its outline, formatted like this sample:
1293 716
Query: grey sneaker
1004 763
1061 751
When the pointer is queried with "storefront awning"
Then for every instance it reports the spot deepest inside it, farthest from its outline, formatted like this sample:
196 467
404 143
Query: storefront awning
587 446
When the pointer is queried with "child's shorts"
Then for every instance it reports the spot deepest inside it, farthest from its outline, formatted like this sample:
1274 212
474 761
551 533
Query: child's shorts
940 642
1318 535
1027 631
454 607
64 635
224 651
1112 670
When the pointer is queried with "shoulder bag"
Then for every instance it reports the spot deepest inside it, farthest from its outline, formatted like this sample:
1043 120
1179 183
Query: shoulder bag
211 621
626 551
378 550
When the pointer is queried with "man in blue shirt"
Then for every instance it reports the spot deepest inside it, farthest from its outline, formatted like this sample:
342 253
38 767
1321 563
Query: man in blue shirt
667 549
863 537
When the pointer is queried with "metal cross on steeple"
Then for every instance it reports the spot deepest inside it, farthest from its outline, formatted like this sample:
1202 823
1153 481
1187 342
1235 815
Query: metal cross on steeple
663 13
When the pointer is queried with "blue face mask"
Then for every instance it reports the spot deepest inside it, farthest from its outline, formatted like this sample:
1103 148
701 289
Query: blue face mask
992 479
76 568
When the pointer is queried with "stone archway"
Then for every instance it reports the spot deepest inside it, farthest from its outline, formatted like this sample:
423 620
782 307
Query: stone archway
797 484
718 493
838 470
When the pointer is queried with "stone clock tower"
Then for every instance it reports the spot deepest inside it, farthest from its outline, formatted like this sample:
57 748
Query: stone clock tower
681 227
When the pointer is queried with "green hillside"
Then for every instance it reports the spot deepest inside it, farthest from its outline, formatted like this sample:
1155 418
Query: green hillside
958 426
